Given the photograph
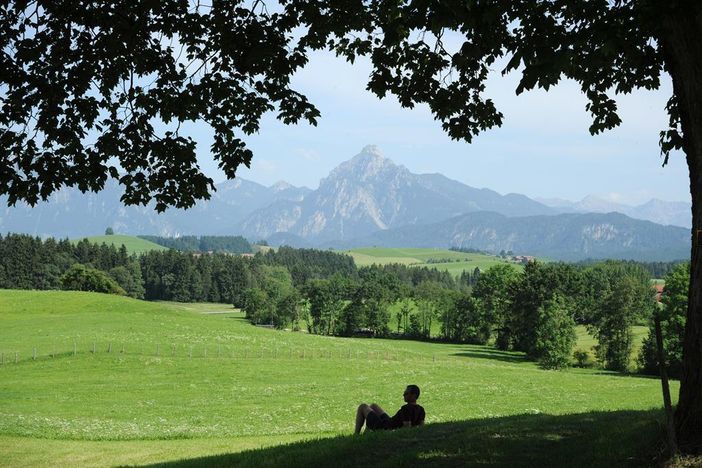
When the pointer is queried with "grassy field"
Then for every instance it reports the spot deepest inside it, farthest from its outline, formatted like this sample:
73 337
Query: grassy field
183 383
133 244
441 259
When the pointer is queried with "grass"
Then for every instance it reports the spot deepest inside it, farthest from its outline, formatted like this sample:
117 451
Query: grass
441 259
247 387
586 341
134 245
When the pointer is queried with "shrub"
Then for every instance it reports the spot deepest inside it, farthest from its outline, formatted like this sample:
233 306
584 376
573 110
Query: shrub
583 358
81 278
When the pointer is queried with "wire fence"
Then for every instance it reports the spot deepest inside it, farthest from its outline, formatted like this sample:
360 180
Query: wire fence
200 351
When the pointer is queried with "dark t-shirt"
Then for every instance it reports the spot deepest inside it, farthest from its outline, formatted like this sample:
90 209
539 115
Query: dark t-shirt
412 413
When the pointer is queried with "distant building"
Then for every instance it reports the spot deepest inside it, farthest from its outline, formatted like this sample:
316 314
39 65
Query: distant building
523 259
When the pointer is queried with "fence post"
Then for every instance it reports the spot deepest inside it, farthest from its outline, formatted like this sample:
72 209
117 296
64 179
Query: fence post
74 348
109 347
219 350
93 347
158 351
190 355
16 359
34 354
205 351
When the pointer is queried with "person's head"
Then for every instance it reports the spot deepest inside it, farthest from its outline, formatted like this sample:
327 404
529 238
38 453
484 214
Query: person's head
411 393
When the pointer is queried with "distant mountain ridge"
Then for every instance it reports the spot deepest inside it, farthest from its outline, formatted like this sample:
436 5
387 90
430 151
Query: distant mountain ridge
70 213
654 210
567 237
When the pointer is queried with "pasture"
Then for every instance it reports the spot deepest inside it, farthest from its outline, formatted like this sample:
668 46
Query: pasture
441 259
105 380
133 244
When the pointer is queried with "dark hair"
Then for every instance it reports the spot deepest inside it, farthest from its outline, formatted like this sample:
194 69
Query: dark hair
413 389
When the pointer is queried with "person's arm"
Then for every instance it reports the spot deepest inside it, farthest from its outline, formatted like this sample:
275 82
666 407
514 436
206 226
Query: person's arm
406 423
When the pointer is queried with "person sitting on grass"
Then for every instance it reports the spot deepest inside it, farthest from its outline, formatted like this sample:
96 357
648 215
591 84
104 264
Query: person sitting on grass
376 418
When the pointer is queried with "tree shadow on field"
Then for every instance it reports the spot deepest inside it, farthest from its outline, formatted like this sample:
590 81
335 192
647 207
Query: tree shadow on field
597 439
492 354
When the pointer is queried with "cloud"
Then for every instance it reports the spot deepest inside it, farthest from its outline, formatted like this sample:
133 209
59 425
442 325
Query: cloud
306 154
264 165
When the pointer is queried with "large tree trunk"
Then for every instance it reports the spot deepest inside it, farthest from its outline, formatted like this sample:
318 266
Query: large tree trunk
683 54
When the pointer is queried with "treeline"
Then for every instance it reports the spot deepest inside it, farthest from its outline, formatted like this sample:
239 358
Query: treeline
28 262
228 244
655 269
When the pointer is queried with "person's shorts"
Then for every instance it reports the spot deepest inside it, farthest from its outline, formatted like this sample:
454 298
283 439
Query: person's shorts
375 422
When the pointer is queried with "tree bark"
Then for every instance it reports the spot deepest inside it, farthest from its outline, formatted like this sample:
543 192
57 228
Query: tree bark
683 59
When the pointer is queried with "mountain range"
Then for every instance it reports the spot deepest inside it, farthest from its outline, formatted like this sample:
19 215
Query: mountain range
369 200
657 211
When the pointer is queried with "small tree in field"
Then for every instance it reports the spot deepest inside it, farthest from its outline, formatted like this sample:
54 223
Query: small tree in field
555 334
109 231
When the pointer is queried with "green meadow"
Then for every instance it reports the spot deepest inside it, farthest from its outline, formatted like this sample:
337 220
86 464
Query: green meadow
133 244
92 379
441 259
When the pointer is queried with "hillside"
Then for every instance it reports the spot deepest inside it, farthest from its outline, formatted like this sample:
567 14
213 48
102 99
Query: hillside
134 245
441 259
155 382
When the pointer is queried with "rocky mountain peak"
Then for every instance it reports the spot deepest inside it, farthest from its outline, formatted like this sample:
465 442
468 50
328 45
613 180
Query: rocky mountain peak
281 185
368 164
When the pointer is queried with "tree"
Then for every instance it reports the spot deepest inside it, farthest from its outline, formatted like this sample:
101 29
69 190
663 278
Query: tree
235 64
471 323
537 284
427 296
629 299
129 279
492 292
672 315
555 334
109 231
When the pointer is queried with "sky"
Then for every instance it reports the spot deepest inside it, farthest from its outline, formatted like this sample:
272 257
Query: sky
543 149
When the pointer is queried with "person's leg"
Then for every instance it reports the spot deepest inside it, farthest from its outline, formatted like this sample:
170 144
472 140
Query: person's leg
377 409
361 413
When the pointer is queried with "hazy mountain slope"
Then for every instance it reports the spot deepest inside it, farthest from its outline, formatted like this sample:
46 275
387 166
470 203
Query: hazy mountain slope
563 237
70 213
657 211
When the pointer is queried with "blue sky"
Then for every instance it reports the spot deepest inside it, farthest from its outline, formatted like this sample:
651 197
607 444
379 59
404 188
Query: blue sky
543 148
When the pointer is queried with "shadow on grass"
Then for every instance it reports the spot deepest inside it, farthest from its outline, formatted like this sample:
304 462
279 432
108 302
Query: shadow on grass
492 354
602 439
